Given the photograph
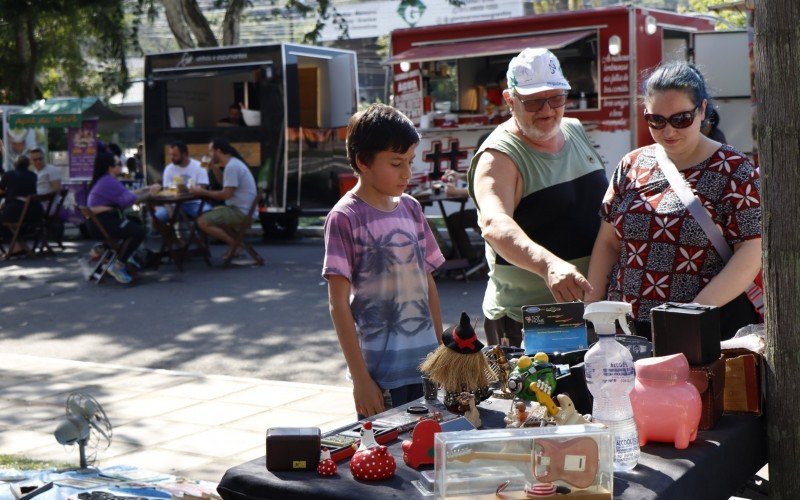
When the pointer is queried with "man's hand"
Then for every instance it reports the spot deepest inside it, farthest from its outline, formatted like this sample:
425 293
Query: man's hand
368 397
565 282
198 190
154 188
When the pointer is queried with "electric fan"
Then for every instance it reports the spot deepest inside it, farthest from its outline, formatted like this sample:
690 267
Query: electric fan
84 415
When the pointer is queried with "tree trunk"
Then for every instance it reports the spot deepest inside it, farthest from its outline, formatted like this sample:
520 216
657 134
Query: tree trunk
777 58
27 55
231 22
174 13
198 24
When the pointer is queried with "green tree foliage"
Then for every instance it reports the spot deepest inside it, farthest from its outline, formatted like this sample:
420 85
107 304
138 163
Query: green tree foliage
220 25
58 47
729 18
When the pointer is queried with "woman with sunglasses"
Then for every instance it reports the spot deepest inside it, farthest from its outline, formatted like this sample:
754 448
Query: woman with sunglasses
650 249
108 197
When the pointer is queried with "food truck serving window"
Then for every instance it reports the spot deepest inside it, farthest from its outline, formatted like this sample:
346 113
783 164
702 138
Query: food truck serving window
194 100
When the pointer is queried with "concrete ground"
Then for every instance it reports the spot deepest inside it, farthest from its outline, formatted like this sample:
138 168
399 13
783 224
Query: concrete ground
187 424
191 368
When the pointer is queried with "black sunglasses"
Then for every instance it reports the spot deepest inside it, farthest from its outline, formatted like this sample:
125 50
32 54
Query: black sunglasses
678 120
534 105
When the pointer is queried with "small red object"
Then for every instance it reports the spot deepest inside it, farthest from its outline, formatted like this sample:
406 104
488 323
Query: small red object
419 449
540 489
373 464
326 466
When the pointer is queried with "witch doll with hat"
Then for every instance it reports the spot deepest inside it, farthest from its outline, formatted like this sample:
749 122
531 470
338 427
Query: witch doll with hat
458 365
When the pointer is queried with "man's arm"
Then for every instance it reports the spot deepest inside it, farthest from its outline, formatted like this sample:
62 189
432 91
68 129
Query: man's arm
368 396
55 185
498 191
222 195
435 306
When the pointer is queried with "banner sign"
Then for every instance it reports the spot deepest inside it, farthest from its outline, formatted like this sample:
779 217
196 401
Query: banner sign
82 145
373 19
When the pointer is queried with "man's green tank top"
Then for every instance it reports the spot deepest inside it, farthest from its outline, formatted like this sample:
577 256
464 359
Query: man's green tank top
561 197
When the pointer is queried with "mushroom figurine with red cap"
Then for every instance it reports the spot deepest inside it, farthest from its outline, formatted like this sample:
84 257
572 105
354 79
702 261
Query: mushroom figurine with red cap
458 364
326 466
372 461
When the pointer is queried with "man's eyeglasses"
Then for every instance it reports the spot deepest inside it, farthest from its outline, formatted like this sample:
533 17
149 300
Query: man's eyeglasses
534 105
678 120
37 158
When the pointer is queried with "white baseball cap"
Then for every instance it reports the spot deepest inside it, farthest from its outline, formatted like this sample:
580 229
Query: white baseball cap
535 70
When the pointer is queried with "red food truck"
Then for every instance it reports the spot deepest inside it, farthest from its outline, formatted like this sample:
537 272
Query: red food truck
445 78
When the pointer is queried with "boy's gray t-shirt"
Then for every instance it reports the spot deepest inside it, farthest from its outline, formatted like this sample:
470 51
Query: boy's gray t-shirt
387 257
238 176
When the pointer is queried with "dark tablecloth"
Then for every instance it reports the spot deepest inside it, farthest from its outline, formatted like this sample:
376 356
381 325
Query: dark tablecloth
714 466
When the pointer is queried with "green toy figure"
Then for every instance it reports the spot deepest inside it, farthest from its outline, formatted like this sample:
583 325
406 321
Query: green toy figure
530 371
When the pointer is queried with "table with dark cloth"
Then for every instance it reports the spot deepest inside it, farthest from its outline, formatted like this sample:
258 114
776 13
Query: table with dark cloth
714 466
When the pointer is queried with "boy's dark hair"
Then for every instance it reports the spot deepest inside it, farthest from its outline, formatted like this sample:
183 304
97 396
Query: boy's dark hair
677 75
180 146
375 129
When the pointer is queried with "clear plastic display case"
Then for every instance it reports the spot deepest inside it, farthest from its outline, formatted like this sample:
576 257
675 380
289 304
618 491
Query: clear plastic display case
570 460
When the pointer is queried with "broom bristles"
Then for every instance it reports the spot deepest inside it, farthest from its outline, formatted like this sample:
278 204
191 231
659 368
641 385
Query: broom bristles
457 372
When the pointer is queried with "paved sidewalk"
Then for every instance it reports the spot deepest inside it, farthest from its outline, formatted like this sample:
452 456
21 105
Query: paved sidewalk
187 424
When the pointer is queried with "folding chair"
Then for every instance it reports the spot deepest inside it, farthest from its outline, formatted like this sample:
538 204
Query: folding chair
18 231
238 232
52 204
111 245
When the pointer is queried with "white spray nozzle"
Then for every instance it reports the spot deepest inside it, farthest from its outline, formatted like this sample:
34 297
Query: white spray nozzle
603 314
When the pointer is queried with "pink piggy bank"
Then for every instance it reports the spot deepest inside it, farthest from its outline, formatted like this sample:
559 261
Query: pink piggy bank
666 406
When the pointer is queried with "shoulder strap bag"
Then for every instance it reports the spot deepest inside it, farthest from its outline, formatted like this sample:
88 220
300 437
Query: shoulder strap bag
755 292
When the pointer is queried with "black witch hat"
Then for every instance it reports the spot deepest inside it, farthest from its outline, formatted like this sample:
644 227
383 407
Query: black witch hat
462 337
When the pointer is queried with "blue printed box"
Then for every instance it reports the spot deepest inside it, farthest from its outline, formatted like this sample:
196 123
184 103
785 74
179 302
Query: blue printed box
554 328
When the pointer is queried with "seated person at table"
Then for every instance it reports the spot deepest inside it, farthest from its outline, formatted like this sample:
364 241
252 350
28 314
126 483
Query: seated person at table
107 199
15 186
234 118
460 220
191 172
238 193
379 256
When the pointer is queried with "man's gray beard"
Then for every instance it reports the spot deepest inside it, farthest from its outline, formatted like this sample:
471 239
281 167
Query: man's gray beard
536 134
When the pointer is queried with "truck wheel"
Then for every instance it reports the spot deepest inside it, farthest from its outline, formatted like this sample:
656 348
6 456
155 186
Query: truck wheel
279 226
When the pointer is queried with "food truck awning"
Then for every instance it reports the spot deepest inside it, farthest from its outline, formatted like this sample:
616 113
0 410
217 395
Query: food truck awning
488 47
62 112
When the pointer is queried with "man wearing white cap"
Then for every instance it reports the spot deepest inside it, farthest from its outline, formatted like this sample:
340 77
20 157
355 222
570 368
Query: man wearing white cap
538 184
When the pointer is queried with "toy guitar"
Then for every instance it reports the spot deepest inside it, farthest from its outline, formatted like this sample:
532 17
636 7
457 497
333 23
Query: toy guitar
574 461
542 391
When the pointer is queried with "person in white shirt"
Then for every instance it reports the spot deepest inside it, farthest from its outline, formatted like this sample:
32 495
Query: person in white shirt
48 177
191 171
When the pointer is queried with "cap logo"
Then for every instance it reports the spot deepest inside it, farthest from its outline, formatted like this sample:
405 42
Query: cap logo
553 67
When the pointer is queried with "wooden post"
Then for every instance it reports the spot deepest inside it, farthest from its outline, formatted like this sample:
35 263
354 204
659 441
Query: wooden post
777 65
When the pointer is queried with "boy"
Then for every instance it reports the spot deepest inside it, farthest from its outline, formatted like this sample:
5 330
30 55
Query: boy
380 250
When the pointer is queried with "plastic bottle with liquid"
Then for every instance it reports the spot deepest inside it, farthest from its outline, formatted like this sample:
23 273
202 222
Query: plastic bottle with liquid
582 104
610 377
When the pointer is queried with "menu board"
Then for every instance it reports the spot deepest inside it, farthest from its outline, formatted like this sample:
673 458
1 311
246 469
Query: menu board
408 94
82 147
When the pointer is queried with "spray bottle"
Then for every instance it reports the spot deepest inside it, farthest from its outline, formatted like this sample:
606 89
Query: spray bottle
610 377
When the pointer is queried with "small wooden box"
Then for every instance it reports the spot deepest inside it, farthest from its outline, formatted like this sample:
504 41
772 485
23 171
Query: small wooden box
293 448
710 382
691 329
